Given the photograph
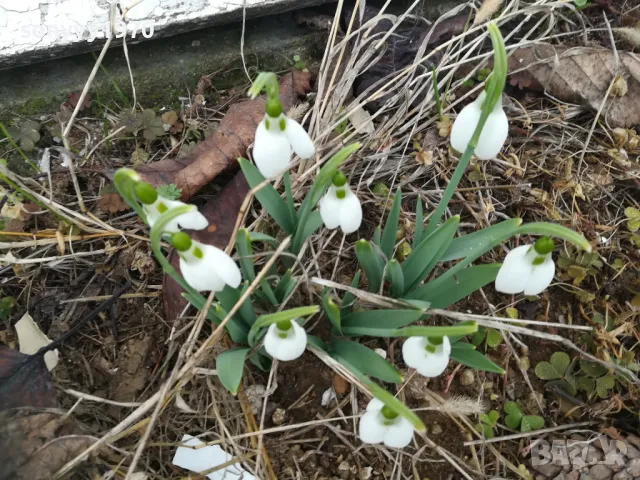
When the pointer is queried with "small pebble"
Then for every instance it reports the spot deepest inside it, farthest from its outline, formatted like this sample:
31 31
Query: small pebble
436 429
549 470
279 416
600 472
340 385
467 377
622 476
633 467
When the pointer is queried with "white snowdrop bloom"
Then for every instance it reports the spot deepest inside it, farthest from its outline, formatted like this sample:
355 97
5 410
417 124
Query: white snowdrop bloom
380 424
277 137
203 266
527 269
285 343
493 135
426 355
154 205
340 207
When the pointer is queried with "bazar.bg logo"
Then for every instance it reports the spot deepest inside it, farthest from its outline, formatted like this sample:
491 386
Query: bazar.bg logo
579 453
90 32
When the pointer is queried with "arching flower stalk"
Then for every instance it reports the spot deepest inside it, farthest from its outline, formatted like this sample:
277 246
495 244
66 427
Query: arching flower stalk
277 136
429 356
340 207
380 424
527 269
285 340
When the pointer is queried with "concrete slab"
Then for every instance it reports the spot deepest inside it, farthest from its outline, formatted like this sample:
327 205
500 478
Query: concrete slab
37 30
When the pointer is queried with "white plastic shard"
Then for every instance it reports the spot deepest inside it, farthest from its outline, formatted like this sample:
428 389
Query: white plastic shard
32 339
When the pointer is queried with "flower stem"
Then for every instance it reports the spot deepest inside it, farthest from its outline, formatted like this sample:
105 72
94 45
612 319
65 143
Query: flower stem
495 86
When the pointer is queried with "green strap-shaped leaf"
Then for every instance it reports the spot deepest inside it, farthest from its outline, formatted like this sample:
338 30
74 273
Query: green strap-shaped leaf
285 286
371 263
462 328
391 227
313 223
332 311
382 318
443 294
289 193
376 236
237 330
316 342
472 358
419 227
426 255
366 360
245 252
262 237
268 292
229 296
348 298
395 278
229 366
261 360
268 196
460 247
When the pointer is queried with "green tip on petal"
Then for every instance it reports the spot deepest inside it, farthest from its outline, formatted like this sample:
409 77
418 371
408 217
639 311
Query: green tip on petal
339 179
181 241
145 193
543 246
341 194
273 108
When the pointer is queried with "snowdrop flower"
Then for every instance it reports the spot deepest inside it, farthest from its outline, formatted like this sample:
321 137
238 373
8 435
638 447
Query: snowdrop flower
429 356
203 266
494 132
155 205
528 268
340 207
285 340
380 424
277 136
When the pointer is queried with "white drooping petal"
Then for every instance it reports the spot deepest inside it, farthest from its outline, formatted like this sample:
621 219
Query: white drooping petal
288 348
399 434
211 272
330 209
350 213
514 272
464 126
271 150
193 220
224 266
299 139
494 132
372 428
541 277
493 135
427 364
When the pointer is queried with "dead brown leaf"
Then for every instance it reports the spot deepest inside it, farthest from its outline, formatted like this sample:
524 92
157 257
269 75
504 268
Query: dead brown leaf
34 445
582 76
112 202
221 150
221 212
24 381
